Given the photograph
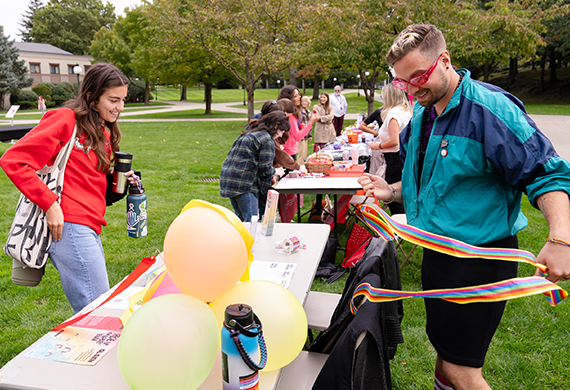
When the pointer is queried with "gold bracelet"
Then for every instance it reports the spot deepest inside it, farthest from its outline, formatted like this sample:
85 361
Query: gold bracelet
393 195
557 241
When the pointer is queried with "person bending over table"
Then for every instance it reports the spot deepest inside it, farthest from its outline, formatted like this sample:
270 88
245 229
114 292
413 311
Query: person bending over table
470 152
248 170
75 219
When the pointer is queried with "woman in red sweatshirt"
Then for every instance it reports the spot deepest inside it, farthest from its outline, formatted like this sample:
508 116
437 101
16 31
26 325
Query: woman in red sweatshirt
75 220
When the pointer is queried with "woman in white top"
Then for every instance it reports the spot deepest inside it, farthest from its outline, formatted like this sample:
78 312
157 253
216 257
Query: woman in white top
396 113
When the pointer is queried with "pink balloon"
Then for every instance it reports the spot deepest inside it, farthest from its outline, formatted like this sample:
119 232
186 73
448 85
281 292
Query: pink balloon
166 287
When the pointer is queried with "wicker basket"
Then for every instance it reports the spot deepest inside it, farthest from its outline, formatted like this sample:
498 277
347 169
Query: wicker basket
319 167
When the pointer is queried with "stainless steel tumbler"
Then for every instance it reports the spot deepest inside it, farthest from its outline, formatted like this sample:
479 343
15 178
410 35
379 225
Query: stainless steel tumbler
122 165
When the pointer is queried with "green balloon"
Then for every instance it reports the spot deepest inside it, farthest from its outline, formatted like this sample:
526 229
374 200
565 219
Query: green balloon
170 343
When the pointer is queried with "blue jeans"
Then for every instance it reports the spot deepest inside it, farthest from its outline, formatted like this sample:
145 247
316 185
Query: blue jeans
80 261
245 205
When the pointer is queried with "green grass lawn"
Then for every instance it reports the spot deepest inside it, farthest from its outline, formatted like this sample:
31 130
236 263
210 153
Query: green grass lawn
187 114
530 349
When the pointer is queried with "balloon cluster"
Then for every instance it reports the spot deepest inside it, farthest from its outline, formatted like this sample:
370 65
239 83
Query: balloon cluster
172 341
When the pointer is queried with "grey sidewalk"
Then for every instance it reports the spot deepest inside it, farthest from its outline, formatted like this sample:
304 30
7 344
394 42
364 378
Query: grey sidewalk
555 127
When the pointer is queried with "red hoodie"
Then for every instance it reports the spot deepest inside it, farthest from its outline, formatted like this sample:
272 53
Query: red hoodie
83 197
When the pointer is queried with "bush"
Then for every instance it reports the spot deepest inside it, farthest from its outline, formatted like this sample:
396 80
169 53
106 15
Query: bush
18 96
50 104
229 82
61 92
28 105
136 91
43 90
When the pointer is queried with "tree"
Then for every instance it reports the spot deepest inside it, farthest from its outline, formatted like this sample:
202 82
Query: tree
108 46
248 37
71 24
128 45
557 40
499 32
12 72
183 60
27 21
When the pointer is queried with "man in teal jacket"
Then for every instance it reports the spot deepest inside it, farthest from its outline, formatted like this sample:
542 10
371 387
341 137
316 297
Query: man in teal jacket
470 152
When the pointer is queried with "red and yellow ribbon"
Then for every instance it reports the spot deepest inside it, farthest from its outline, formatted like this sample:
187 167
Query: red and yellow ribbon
388 229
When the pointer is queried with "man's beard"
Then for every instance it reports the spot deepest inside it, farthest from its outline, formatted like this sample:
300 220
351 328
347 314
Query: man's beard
437 93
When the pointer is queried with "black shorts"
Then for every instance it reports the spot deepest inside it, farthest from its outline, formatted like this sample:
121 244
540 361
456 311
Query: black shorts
461 333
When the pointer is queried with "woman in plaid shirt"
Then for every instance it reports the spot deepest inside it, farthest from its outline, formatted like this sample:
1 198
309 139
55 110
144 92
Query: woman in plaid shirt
248 170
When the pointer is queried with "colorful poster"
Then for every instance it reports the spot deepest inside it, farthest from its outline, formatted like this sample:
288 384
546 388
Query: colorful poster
86 342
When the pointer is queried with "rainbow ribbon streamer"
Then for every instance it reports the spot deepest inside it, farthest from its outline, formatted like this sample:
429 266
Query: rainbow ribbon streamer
388 229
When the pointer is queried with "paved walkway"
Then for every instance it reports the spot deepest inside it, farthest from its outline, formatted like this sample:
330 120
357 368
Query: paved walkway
555 127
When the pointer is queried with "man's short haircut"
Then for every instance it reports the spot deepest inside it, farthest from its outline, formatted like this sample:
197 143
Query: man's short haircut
425 37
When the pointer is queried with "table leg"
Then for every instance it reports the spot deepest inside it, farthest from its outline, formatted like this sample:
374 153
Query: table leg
299 208
334 217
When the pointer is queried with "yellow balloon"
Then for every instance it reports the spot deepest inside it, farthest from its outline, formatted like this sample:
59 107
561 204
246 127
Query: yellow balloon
170 343
204 254
235 221
282 317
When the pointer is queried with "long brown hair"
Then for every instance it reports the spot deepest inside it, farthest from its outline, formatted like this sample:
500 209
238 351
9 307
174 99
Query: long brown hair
327 105
99 78
287 92
275 120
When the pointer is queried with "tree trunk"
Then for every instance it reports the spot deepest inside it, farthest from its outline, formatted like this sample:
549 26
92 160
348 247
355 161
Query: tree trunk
183 93
486 72
146 94
208 97
542 69
316 88
293 75
371 92
250 99
513 70
553 77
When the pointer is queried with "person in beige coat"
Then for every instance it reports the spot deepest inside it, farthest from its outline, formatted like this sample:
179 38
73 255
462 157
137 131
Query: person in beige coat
324 128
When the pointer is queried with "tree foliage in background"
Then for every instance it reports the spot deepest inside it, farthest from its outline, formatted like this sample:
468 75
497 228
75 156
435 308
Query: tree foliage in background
71 24
556 39
128 45
13 73
27 21
183 61
250 38
358 34
108 46
497 32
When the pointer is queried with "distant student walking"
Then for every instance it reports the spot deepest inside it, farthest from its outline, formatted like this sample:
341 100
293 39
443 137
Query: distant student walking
41 105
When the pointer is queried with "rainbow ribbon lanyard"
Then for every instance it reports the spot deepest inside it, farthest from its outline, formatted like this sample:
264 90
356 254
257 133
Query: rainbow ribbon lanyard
379 222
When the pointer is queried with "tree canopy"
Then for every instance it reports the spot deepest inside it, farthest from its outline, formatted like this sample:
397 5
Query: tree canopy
27 21
250 38
13 73
71 24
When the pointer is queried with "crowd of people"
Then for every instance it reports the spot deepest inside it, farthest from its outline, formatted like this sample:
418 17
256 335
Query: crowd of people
457 165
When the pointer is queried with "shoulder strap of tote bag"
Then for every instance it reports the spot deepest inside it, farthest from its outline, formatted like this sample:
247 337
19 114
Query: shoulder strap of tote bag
29 238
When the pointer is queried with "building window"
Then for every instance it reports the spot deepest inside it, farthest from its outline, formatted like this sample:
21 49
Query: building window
86 67
54 68
70 69
35 68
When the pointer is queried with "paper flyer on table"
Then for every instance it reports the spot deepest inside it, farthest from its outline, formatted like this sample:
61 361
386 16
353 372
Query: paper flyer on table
86 342
280 273
121 301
